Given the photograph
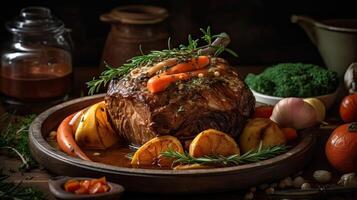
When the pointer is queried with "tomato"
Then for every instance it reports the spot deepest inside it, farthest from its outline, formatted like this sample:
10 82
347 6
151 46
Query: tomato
289 133
263 112
341 148
348 108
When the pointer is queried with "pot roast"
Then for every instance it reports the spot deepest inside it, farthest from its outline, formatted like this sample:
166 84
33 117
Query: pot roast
184 109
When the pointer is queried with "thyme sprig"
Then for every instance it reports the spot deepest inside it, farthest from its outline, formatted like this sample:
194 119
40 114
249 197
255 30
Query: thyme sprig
14 137
183 52
259 154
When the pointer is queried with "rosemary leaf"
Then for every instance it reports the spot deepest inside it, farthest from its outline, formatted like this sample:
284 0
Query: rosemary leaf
261 153
182 52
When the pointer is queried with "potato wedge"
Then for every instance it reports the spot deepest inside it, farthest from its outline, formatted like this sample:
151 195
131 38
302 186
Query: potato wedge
213 142
94 131
149 153
260 130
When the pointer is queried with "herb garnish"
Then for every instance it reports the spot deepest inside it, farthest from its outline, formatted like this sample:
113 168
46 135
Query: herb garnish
16 191
259 154
14 137
183 52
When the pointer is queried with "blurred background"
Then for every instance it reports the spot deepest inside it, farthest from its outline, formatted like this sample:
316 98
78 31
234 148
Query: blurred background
261 30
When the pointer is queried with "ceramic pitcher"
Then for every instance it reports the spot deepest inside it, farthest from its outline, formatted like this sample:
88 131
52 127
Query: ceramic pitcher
336 40
132 27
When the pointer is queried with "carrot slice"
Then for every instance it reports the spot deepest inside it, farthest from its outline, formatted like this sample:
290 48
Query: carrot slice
192 65
66 140
71 186
289 133
102 180
81 190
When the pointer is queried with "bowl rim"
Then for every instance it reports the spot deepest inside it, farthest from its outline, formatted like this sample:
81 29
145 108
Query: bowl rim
279 98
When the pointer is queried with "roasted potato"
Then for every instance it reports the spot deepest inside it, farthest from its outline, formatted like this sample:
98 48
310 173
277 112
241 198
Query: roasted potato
260 130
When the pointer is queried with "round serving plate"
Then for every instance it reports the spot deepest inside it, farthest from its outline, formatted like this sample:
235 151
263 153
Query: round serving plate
161 181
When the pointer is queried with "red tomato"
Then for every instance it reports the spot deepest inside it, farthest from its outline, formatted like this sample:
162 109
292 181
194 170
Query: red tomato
263 112
348 108
289 133
341 148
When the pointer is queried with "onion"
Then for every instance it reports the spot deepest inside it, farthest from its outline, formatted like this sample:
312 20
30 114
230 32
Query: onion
294 113
319 108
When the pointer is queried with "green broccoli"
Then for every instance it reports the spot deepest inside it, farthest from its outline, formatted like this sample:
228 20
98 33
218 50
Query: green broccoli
294 80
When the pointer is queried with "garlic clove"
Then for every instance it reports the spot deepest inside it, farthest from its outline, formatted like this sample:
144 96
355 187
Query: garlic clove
322 176
249 196
350 78
298 181
305 186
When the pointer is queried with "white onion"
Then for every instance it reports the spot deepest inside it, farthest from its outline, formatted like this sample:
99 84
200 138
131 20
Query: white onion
294 113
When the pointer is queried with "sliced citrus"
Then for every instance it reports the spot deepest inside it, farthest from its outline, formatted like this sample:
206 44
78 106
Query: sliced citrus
149 153
213 142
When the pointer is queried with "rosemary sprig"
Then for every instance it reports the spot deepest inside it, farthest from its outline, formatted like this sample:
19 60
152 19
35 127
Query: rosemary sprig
261 153
14 137
183 52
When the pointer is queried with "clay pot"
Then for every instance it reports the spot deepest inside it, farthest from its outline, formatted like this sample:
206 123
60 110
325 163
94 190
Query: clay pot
131 27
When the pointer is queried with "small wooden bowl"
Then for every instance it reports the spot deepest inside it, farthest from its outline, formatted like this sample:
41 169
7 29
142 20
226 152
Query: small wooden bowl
56 187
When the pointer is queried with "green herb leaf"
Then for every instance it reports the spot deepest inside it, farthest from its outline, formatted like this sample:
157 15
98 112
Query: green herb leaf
16 191
14 137
182 53
261 153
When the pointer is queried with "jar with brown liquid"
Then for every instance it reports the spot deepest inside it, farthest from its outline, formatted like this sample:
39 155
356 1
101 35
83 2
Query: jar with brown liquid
36 65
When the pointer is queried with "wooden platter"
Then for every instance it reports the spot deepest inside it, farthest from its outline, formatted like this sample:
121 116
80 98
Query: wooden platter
161 181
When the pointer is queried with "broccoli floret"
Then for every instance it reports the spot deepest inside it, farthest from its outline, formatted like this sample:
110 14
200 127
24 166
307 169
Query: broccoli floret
294 80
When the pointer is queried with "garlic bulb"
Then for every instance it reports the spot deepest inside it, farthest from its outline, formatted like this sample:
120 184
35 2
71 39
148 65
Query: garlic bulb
294 113
351 78
349 179
318 106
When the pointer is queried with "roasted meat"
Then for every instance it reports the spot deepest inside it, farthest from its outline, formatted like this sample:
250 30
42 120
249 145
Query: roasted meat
184 109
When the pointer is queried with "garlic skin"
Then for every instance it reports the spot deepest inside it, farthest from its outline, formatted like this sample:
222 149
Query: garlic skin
322 176
350 78
349 179
294 113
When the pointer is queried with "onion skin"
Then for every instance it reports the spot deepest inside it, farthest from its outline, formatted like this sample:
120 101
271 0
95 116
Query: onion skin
319 108
294 112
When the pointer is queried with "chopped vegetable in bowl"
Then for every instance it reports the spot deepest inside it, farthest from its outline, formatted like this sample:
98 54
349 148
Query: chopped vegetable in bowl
294 80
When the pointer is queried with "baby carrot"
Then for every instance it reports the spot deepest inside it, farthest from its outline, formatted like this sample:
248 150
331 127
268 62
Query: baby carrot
161 82
192 65
66 140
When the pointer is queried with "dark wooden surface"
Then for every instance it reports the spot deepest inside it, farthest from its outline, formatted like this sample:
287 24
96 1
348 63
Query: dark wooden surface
39 177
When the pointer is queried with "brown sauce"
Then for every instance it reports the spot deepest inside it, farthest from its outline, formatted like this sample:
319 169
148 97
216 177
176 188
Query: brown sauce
38 85
116 155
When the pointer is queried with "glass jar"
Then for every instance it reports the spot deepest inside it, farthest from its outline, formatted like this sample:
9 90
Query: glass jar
36 65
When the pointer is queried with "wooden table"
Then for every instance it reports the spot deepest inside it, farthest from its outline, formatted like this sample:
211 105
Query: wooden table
39 177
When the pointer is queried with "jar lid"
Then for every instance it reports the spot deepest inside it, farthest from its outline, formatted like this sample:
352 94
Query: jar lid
136 14
35 20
